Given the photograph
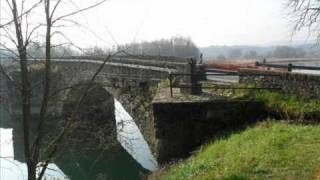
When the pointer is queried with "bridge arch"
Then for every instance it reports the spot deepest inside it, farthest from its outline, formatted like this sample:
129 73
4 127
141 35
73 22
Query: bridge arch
95 116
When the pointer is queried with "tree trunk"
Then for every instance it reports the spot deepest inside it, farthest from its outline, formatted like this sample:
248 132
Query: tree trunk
25 92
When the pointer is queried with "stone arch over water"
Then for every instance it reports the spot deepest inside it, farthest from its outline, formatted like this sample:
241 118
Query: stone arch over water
94 122
135 98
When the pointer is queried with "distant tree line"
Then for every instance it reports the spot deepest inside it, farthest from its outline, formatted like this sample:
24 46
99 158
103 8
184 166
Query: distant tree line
274 52
177 46
288 52
37 50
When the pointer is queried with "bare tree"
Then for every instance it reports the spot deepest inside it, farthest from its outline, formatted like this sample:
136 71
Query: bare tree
306 14
21 45
21 39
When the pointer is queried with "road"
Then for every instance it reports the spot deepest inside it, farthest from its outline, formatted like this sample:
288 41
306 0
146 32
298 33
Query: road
223 79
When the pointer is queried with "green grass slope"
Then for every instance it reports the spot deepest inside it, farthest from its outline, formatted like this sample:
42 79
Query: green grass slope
270 150
286 106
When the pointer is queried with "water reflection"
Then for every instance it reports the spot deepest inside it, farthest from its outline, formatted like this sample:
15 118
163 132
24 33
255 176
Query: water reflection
13 169
115 163
130 160
131 138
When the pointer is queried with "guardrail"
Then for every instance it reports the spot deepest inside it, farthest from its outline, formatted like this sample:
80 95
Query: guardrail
289 66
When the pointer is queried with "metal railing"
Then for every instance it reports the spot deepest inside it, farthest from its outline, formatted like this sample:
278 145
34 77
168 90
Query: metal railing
289 66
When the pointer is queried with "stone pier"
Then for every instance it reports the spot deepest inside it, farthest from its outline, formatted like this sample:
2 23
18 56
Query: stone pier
183 123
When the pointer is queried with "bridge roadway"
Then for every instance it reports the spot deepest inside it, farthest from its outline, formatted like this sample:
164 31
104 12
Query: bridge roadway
118 64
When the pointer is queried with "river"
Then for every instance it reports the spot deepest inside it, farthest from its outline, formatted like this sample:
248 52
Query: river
131 160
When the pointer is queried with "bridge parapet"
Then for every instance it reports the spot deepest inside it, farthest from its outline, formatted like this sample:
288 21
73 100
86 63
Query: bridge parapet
87 68
306 86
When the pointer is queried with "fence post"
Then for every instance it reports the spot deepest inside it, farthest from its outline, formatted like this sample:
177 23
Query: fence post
170 82
190 83
290 67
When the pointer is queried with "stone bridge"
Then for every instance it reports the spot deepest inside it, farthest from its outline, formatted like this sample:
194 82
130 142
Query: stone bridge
117 75
132 81
80 70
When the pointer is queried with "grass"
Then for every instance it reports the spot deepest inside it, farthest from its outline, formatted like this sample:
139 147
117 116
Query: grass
284 105
270 150
278 104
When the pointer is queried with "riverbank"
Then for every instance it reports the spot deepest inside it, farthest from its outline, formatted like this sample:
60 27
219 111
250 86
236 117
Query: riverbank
268 150
283 146
281 105
278 104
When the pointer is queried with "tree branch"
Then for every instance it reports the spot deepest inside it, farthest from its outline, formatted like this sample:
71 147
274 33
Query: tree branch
78 11
22 14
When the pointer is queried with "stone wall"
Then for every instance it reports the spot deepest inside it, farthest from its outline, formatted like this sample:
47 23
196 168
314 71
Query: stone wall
306 86
36 77
85 69
137 101
181 127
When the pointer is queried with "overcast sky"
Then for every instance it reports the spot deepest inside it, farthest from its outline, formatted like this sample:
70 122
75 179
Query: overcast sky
207 22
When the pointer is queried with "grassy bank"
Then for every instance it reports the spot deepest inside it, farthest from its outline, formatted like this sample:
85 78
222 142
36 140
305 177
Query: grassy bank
270 150
279 105
284 105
